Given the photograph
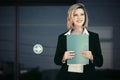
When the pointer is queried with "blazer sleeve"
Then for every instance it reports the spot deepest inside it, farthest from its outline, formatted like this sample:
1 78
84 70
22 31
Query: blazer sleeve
60 49
96 51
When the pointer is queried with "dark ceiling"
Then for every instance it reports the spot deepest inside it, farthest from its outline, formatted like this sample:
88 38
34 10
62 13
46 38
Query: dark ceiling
42 2
55 2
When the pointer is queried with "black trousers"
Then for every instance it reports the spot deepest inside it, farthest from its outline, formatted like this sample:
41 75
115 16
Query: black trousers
75 76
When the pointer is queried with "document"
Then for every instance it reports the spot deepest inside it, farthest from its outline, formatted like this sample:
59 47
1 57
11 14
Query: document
77 68
78 43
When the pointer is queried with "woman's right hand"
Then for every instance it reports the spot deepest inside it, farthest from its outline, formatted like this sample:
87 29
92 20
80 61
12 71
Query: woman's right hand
68 55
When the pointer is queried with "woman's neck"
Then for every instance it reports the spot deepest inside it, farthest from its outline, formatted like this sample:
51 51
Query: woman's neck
77 30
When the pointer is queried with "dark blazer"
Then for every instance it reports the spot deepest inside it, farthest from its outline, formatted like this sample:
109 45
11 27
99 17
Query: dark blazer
94 47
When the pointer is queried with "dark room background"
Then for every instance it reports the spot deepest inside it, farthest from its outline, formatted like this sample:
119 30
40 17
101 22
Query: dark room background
41 24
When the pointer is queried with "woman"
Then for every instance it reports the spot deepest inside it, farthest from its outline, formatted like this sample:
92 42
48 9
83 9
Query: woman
77 23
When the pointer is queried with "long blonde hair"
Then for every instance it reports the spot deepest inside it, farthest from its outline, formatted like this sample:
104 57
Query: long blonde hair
71 10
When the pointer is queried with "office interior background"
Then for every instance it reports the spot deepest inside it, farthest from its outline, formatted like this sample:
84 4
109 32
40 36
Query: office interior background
40 23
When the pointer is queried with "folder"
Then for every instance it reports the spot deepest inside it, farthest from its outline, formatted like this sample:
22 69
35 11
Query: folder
78 43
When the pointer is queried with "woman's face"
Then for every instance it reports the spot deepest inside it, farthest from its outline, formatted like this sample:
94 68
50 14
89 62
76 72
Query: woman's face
79 17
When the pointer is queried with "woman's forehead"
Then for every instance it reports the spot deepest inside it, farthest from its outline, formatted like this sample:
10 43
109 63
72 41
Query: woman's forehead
80 10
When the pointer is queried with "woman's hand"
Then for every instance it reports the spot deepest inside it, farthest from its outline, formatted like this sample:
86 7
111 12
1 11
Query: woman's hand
88 54
68 55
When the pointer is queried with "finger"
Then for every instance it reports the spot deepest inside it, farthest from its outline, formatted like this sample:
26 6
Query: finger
71 51
72 54
84 54
71 57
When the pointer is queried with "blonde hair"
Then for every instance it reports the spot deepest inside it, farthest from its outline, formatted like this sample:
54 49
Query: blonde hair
71 10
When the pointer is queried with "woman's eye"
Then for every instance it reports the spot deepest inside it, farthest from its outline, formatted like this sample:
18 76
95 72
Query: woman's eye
82 14
75 15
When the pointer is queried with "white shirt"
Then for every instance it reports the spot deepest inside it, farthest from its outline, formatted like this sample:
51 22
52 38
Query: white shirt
84 32
76 67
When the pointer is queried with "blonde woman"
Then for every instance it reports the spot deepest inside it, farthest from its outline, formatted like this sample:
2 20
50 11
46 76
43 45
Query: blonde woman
77 23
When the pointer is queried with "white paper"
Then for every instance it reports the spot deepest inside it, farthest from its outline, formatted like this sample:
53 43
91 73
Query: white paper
78 68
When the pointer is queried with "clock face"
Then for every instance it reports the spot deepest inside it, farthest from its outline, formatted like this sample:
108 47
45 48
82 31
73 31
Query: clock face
37 48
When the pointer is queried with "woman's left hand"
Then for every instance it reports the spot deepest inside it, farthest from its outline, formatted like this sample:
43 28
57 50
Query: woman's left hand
88 54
